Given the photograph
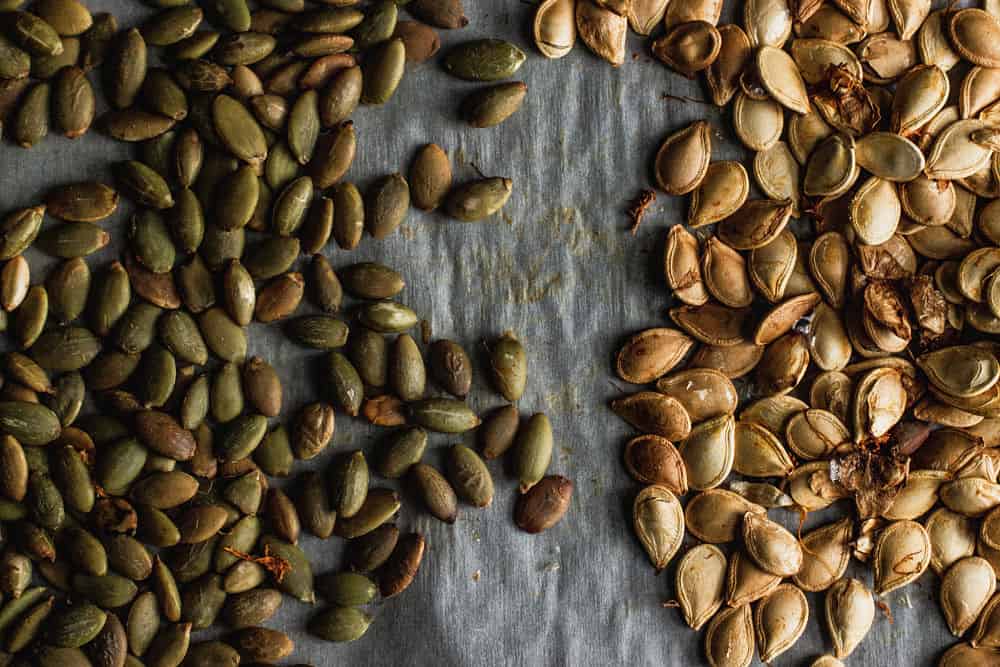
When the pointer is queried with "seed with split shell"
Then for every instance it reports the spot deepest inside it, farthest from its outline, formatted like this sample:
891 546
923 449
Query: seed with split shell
902 553
783 365
711 323
721 192
782 318
683 158
659 524
716 515
700 582
961 370
780 620
652 412
651 354
682 268
729 640
755 224
554 28
771 546
723 75
850 610
976 36
814 434
879 403
709 451
704 392
965 589
689 47
602 30
918 495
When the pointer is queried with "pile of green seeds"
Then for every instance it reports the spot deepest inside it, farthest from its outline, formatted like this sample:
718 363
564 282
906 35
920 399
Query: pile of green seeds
127 527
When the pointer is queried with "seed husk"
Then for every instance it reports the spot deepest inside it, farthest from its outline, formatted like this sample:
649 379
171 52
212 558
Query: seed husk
729 639
850 611
780 620
659 524
554 27
602 30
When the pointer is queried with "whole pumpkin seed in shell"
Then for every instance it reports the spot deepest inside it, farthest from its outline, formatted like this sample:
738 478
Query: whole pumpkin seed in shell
780 619
705 393
709 451
966 588
956 154
759 453
721 191
723 74
902 553
832 167
952 538
758 123
920 94
850 611
729 640
974 33
658 521
700 582
782 318
725 275
755 224
651 354
652 459
781 78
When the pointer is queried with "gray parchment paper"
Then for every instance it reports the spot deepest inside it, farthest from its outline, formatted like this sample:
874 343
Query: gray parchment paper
559 268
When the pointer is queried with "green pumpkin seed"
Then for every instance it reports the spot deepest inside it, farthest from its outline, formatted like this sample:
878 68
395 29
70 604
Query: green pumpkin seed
242 437
345 383
68 288
34 34
274 454
183 337
340 97
172 25
202 601
31 121
347 589
379 507
170 646
201 76
28 626
73 477
165 490
30 423
348 216
13 469
15 574
224 337
14 608
157 376
245 492
75 626
18 230
72 102
232 14
94 43
143 623
46 67
491 106
282 516
370 551
244 576
162 94
340 624
241 537
67 398
435 491
329 20
66 17
279 298
388 317
484 60
189 152
212 654
191 561
317 227
348 484
470 477
368 353
378 26
219 246
407 373
197 285
334 155
444 415
252 608
187 221
120 465
31 316
195 404
477 200
509 367
226 395
244 49
281 167
167 593
318 331
237 199
128 556
238 130
108 591
370 280
262 386
238 293
303 126
87 201
383 71
196 46
133 125
125 69
144 185
45 503
15 63
298 581
534 450
313 429
430 177
291 206
271 257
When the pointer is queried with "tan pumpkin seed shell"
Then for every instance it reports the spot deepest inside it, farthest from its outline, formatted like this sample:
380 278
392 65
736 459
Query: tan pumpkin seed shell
725 274
777 173
771 546
759 453
971 496
920 94
700 582
889 156
826 553
554 28
783 364
850 610
768 22
684 11
956 154
683 158
875 211
781 78
711 323
952 536
780 620
814 57
705 393
721 192
651 354
961 370
832 391
755 224
766 495
723 75
682 268
902 553
966 588
987 634
975 34
602 31
659 524
716 515
652 412
758 123
709 451
643 15
688 48
729 640
773 412
782 318
733 361
815 433
746 582
917 496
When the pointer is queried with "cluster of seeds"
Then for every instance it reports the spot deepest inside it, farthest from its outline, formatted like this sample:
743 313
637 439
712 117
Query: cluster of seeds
862 341
152 516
